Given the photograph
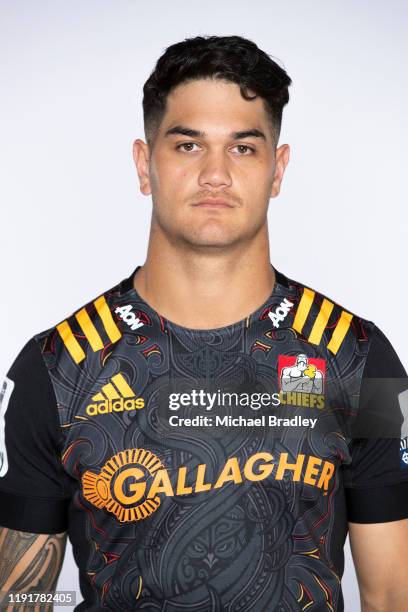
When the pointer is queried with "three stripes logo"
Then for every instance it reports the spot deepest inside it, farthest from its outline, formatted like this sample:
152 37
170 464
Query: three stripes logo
116 396
88 329
316 333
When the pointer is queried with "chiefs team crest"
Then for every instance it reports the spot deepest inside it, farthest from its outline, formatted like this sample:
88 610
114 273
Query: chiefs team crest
301 380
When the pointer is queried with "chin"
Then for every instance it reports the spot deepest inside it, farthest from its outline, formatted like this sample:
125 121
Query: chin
220 241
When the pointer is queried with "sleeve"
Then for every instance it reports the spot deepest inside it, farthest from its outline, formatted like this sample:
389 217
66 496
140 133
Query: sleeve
32 493
376 481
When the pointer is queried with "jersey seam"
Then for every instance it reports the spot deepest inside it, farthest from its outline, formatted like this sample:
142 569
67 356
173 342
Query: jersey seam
5 489
382 486
359 398
57 451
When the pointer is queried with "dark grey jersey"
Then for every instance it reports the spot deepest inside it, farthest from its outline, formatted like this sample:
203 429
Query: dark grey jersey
206 470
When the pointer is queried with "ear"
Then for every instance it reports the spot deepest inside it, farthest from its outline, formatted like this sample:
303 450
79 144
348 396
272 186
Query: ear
141 159
281 161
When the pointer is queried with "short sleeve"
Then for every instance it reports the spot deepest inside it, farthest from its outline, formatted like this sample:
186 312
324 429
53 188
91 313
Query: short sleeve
32 493
376 481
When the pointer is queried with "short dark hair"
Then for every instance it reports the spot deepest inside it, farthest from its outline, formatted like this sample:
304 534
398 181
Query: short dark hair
230 58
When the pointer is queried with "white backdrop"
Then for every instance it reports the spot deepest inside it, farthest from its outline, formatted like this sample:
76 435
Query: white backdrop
73 220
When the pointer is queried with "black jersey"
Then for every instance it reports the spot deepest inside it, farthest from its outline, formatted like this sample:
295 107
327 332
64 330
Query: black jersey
206 470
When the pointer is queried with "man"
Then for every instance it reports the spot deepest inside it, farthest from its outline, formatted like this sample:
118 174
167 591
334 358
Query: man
157 426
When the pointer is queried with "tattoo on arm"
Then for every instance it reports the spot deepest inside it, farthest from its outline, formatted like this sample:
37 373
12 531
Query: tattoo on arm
29 562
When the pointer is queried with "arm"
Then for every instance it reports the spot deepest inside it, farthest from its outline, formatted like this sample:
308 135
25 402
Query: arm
34 490
379 555
289 383
29 563
377 483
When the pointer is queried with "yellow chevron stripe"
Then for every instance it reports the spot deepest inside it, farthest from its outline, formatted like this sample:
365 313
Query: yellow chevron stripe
89 330
321 321
70 341
122 385
105 314
110 391
340 331
303 309
98 397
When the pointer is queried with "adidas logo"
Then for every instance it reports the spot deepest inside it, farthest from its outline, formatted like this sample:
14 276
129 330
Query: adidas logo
116 396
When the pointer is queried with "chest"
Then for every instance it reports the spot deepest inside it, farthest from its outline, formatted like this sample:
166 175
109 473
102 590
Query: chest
164 422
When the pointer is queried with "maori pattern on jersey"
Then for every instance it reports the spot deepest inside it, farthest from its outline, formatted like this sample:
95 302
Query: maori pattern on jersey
257 545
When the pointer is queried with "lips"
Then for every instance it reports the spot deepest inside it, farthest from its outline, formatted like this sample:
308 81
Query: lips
213 202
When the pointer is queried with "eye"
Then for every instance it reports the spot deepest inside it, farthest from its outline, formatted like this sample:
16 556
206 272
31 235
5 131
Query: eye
186 146
244 149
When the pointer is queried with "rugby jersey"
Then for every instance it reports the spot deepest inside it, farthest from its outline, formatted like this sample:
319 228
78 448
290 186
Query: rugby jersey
205 470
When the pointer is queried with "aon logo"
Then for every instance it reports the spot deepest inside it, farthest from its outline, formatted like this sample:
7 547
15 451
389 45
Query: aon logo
129 317
280 313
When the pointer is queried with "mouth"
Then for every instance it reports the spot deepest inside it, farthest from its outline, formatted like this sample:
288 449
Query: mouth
214 203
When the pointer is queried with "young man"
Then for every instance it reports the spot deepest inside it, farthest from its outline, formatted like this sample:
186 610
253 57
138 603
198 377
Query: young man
208 430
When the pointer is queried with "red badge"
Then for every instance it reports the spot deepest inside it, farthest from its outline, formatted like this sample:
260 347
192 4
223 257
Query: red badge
301 373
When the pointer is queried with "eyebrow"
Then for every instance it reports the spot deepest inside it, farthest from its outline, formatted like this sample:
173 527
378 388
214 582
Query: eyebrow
185 131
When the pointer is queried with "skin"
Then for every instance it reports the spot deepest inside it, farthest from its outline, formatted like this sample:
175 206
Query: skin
381 569
206 267
30 563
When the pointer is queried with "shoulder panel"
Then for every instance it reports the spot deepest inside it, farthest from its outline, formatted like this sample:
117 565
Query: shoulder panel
326 323
90 329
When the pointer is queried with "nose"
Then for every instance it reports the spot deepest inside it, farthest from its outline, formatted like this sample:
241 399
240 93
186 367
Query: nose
215 171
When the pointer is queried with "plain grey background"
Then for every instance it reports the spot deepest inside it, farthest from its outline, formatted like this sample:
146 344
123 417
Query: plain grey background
73 220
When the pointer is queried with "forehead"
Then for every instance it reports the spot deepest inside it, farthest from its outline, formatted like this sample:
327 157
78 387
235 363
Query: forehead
213 105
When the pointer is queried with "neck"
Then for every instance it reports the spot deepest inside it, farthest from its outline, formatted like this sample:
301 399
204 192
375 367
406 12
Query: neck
205 290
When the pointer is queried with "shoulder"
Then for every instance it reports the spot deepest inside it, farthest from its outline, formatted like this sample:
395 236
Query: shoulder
328 323
344 335
89 331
